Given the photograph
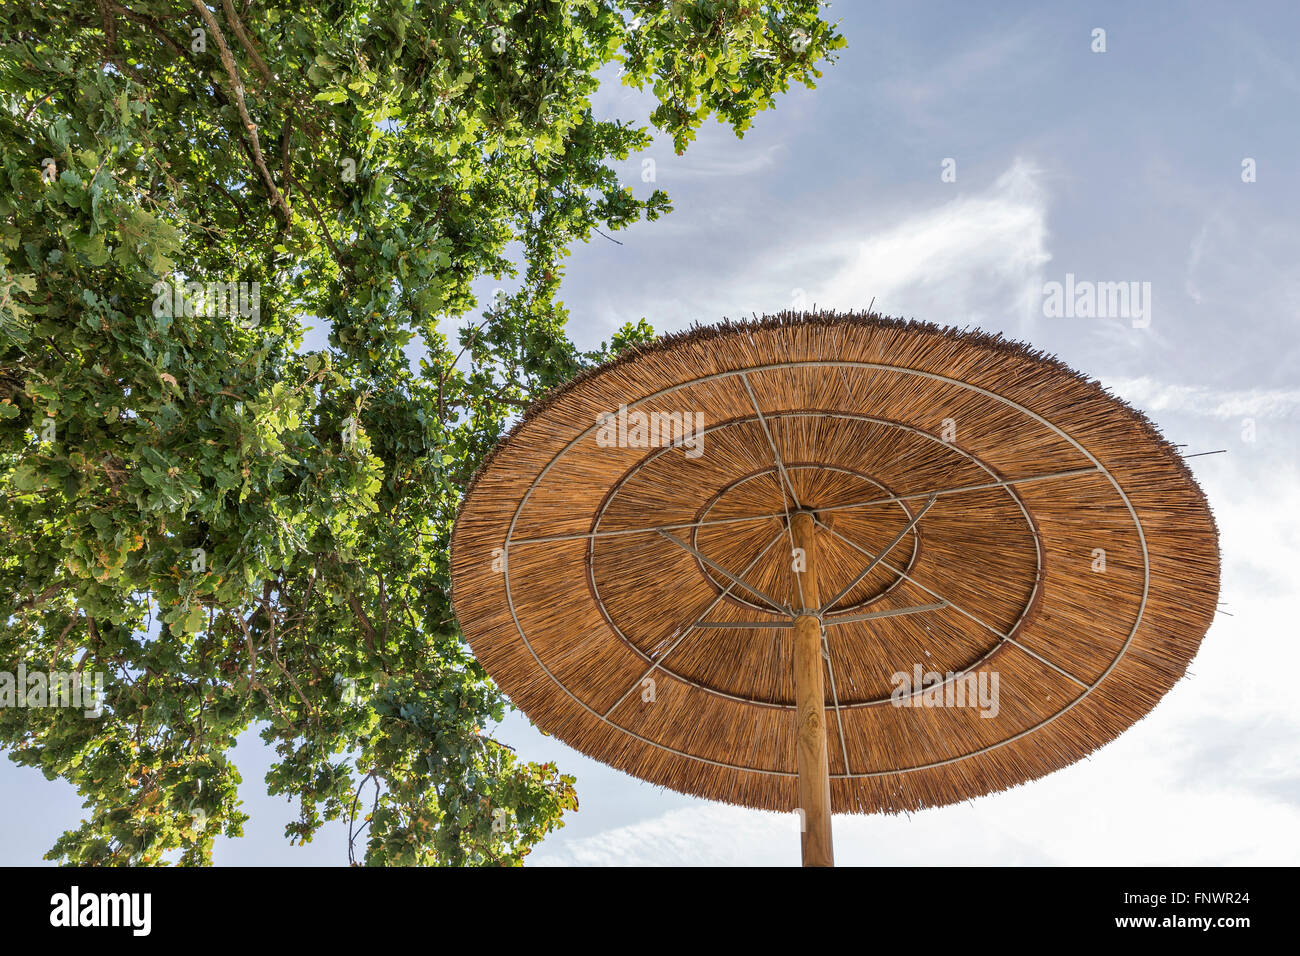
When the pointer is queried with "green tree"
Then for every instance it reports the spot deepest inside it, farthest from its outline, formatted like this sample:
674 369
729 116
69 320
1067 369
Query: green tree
234 531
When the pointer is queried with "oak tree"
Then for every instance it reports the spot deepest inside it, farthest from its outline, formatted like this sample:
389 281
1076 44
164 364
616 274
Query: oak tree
235 530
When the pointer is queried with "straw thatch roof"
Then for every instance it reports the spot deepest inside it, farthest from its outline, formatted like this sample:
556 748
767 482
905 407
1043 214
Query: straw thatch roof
610 585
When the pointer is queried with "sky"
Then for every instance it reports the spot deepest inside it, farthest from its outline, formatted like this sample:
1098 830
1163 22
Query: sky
1128 165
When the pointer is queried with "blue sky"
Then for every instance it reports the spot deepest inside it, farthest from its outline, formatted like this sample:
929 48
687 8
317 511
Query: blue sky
1117 166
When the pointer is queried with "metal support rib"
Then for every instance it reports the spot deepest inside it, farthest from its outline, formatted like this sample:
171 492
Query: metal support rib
771 601
835 699
694 626
744 624
874 615
786 484
686 525
827 621
871 566
1006 637
780 465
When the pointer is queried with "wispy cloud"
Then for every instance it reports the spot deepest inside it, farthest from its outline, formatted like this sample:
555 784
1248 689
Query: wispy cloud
923 97
975 258
1131 804
725 163
1156 396
980 254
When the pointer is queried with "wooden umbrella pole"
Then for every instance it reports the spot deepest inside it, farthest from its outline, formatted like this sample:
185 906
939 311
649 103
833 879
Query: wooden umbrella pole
810 703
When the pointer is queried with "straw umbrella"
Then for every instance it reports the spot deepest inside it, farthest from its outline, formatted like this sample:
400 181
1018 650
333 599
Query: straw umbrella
834 563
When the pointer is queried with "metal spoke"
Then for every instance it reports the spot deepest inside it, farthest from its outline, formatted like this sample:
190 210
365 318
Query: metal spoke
786 484
687 525
696 625
894 612
744 624
785 478
1006 637
876 560
652 529
846 619
773 602
835 699
1001 483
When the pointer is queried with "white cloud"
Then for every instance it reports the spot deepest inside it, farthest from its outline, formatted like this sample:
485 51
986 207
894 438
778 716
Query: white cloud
1240 271
975 258
704 163
1141 801
1155 396
977 255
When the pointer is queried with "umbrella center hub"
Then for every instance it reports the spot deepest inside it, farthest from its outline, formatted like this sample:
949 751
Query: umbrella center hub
822 488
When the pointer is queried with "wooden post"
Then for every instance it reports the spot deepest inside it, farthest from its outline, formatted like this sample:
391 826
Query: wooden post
810 704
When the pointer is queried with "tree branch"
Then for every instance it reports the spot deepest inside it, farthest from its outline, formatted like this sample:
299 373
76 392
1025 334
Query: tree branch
38 599
232 71
249 47
366 628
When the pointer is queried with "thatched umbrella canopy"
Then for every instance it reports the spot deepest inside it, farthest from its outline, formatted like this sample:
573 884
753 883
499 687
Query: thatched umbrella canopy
637 563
